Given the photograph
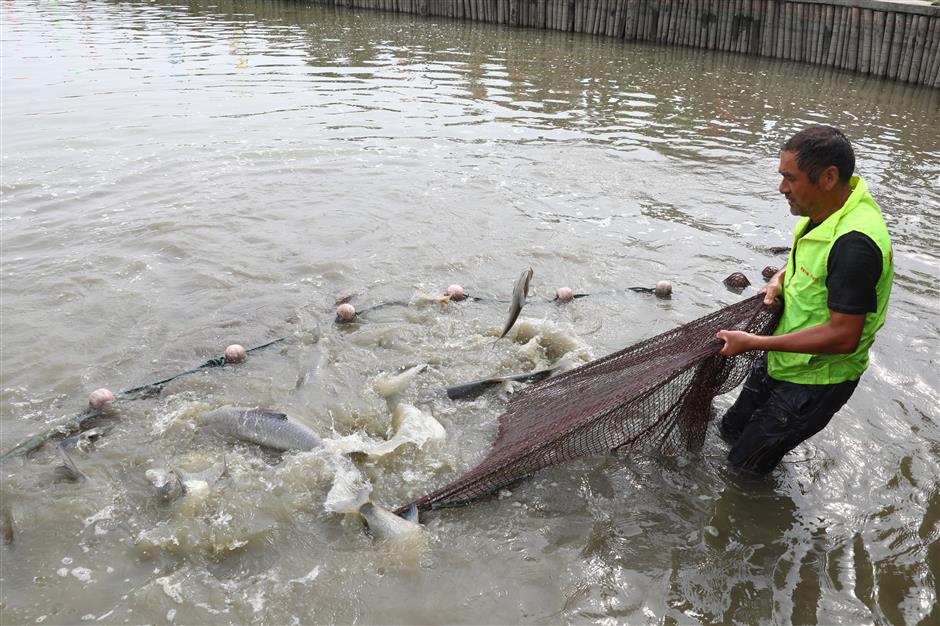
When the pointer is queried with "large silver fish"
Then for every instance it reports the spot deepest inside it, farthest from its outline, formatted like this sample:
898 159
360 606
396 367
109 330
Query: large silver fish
520 292
261 426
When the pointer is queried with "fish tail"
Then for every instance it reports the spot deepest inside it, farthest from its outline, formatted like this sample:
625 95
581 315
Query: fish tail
353 504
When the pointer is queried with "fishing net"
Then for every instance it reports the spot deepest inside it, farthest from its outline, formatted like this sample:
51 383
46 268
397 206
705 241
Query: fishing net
653 395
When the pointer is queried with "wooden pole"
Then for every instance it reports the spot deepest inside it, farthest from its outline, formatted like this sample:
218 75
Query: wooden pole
885 54
800 38
897 41
766 28
907 50
822 33
854 30
932 51
839 35
714 25
920 46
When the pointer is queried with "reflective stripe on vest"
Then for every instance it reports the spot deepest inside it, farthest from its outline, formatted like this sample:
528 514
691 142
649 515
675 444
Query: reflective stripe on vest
806 298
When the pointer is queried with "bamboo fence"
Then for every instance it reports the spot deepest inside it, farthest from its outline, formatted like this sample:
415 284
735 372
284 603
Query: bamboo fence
895 40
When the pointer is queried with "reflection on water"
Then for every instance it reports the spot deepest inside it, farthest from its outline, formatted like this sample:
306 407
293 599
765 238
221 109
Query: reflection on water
177 176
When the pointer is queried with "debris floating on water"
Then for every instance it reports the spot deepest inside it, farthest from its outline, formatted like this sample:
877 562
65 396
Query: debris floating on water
663 289
564 294
235 353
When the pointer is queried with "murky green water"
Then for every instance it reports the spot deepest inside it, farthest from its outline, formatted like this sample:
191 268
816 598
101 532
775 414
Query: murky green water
178 176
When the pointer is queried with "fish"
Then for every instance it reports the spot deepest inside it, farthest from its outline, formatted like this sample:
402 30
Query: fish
172 483
69 471
382 523
391 386
468 391
264 427
520 292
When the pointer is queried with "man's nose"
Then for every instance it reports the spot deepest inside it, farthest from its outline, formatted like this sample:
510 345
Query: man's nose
784 187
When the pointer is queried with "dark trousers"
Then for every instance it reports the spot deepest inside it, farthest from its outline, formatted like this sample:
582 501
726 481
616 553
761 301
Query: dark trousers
771 417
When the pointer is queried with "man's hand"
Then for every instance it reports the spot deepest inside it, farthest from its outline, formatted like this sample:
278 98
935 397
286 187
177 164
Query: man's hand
736 341
774 289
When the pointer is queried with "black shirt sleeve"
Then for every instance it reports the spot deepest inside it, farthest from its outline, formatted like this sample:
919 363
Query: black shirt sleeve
854 267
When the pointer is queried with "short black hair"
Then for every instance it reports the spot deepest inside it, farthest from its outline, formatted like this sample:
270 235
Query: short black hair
818 147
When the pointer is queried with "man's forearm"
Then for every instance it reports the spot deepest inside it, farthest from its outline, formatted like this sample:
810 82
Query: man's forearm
822 339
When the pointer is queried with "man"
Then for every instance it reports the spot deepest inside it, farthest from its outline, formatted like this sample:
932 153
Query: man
835 290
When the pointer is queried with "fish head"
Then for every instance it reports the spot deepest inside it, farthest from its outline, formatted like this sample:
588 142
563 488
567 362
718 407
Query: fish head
526 278
167 484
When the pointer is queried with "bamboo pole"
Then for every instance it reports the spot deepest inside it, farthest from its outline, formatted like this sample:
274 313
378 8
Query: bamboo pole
696 24
714 25
897 41
838 38
724 24
936 57
757 27
885 54
877 36
619 19
746 20
919 47
774 9
649 31
662 21
907 51
795 28
864 60
932 50
683 10
854 31
591 26
669 28
847 31
819 34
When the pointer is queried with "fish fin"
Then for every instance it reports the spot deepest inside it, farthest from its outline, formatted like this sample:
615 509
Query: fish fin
411 514
270 413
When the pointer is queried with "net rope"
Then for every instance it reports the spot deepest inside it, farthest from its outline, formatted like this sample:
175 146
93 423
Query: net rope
653 395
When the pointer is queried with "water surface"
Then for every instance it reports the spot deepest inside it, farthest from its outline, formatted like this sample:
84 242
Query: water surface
178 176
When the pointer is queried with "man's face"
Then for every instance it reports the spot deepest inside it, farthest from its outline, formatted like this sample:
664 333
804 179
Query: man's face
802 193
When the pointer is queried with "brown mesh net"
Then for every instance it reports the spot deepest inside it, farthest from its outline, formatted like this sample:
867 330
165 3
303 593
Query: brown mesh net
655 394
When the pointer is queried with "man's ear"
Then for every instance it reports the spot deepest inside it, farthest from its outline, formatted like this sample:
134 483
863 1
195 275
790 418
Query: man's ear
829 178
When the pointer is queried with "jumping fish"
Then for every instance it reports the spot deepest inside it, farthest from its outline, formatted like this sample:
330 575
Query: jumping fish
172 483
391 386
520 292
261 426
